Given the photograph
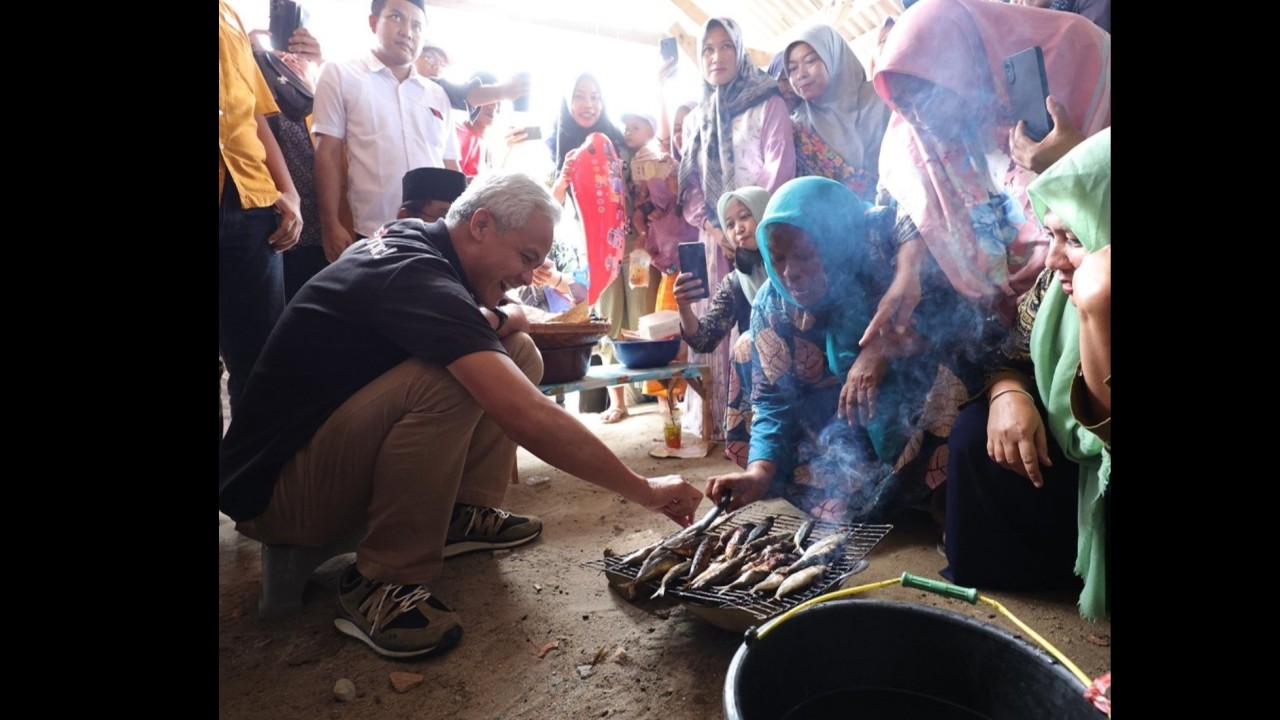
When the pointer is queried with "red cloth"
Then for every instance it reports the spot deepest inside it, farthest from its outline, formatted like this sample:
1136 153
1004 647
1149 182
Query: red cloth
597 186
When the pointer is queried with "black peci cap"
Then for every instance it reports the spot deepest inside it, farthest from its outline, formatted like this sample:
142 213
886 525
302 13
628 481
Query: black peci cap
424 184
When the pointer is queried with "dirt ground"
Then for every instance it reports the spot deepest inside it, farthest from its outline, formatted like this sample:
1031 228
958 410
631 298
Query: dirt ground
608 657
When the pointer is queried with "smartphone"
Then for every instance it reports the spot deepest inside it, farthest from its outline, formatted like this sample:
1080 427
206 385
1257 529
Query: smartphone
693 259
1028 87
533 132
667 46
286 16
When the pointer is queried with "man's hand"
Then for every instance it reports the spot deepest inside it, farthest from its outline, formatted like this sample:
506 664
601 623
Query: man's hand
335 240
1016 437
674 497
1038 156
288 209
516 87
862 382
305 45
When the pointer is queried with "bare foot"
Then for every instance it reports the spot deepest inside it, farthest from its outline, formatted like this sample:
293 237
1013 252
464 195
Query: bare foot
613 415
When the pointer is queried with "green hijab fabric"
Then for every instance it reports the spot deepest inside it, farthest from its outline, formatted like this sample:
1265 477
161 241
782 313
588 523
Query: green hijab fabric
1077 189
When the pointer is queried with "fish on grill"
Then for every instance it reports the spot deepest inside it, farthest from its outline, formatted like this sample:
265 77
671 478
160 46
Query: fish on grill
673 575
798 581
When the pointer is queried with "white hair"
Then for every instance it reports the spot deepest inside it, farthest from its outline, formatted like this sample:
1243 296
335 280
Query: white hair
511 197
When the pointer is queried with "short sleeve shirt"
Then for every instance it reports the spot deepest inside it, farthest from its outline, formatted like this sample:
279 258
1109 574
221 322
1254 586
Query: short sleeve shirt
399 294
389 127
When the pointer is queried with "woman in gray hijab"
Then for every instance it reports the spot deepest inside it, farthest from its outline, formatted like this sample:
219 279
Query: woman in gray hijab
841 120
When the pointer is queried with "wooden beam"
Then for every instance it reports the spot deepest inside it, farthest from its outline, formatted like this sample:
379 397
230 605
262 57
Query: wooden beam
691 9
688 43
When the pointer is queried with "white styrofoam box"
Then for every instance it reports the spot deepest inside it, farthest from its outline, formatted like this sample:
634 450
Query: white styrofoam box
661 324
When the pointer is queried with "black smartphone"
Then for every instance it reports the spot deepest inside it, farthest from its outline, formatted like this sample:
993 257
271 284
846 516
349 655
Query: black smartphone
286 16
667 46
1028 86
693 259
533 132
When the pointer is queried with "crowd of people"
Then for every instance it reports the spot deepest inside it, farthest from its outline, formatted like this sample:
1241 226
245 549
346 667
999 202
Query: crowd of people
907 301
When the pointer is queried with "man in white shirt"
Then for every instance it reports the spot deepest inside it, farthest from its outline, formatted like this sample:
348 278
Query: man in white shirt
385 118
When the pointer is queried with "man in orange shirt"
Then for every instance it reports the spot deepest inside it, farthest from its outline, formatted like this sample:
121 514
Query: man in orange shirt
258 206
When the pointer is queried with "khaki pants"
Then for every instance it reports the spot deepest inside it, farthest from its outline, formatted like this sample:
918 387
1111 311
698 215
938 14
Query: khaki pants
393 459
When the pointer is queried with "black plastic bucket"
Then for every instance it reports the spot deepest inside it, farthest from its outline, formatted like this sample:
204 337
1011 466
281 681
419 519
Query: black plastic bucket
883 660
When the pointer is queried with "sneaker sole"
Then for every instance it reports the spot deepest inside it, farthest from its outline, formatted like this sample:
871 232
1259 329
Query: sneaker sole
461 548
448 640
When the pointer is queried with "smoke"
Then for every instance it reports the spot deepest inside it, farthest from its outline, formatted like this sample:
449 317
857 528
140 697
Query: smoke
916 400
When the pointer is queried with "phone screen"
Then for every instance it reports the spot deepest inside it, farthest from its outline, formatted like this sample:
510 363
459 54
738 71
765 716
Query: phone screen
693 259
667 46
286 16
1028 86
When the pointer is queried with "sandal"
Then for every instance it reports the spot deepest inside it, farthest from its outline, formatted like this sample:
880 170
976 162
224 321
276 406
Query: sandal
613 415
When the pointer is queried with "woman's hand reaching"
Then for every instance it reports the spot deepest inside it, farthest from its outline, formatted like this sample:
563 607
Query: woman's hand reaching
747 486
862 382
893 313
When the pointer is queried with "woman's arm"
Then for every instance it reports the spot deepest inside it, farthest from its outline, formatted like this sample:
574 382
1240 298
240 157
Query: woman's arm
704 334
779 145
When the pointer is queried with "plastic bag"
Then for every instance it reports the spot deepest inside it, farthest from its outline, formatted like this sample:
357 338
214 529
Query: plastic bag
638 277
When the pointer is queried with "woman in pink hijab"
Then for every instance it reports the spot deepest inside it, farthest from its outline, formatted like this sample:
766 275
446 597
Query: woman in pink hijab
945 156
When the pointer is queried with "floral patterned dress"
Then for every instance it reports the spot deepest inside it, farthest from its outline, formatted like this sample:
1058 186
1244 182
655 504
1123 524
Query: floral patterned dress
826 467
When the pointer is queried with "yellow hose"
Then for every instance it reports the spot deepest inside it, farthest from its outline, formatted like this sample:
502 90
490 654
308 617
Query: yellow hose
847 592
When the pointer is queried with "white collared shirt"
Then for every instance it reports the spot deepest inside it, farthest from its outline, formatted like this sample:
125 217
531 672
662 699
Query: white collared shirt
390 127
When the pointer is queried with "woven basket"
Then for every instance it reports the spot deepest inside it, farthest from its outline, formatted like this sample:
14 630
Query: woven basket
558 335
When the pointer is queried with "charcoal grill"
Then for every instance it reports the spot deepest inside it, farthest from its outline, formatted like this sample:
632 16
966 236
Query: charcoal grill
760 606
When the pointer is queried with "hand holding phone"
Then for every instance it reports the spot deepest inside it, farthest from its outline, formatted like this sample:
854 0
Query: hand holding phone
1028 87
693 260
286 16
667 48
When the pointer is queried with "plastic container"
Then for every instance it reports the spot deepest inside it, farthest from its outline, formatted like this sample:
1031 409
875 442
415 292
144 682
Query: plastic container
637 354
880 659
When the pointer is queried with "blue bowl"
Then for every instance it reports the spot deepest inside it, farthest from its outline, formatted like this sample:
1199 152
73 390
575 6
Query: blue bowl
637 354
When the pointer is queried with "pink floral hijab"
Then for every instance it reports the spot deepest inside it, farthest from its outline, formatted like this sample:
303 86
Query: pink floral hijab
967 198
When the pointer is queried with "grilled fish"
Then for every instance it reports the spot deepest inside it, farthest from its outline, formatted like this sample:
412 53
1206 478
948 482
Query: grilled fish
796 582
802 535
676 571
821 552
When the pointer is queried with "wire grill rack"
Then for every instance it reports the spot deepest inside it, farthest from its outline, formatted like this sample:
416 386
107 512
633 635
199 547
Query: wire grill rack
864 538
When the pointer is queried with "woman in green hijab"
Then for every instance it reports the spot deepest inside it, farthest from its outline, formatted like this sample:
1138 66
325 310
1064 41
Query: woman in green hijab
1027 489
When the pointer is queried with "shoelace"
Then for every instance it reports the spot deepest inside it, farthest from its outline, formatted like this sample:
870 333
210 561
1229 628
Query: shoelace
405 604
486 521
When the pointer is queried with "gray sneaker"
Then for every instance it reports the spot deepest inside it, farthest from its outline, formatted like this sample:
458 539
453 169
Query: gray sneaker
484 528
397 621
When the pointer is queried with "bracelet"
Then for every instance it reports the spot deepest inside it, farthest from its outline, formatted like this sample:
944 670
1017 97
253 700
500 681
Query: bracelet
1010 390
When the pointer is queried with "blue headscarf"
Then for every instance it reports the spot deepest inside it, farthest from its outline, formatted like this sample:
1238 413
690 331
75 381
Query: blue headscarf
834 219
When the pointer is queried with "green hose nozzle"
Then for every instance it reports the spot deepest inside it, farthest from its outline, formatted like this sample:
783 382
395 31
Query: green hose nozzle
939 587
